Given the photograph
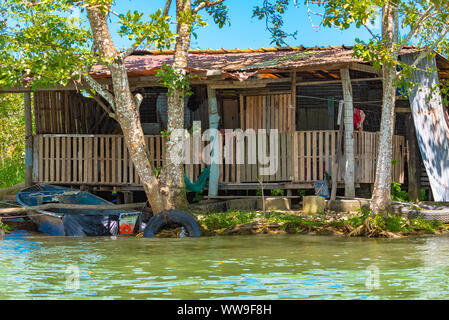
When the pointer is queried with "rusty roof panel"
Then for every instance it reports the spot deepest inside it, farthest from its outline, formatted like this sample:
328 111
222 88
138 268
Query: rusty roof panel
237 64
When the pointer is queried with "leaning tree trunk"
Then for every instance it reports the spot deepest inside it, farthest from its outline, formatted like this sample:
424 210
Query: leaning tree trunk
126 109
172 175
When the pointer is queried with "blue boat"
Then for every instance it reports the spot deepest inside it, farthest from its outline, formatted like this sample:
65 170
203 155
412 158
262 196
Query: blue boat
75 222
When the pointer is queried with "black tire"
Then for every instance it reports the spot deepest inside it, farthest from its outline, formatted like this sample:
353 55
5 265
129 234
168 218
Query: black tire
159 221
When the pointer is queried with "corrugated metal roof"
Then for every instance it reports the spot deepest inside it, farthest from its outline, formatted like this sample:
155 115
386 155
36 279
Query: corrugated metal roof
238 64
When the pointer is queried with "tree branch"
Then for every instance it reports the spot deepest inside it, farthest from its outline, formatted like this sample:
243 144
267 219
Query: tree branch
424 54
372 33
205 4
427 52
139 99
167 7
101 104
415 29
396 26
93 84
131 49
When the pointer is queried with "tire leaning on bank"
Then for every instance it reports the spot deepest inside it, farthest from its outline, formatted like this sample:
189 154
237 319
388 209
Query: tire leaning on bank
431 215
162 219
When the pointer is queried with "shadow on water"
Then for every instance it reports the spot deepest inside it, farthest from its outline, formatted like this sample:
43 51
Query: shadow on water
241 267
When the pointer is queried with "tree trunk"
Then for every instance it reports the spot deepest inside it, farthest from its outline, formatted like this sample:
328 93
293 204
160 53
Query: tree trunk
172 175
126 109
381 199
349 133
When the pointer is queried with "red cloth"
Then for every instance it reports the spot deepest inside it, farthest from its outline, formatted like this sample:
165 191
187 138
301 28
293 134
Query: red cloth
359 118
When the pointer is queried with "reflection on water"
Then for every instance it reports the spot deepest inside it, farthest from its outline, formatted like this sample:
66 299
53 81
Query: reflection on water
242 267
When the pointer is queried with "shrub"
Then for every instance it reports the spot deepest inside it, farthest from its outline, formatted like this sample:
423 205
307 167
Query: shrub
276 192
397 194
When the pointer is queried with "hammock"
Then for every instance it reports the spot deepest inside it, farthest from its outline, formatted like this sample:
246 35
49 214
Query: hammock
199 184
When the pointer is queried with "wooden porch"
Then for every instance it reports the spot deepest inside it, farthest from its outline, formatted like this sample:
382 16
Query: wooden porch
304 157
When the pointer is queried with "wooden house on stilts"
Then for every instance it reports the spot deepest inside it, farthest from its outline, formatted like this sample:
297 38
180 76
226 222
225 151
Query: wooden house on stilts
295 90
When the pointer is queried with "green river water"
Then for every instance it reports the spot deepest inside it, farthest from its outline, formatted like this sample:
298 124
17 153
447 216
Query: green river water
238 267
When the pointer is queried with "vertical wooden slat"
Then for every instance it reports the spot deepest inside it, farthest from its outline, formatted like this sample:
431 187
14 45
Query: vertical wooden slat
80 159
237 155
320 155
107 160
64 159
74 160
295 155
281 112
41 158
54 112
286 108
242 112
89 157
276 112
43 112
68 160
85 161
120 168
36 103
52 159
102 162
326 152
264 112
58 158
113 160
332 150
309 155
301 156
314 158
288 158
95 156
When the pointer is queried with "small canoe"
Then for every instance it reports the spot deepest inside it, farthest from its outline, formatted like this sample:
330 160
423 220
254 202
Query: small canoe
75 222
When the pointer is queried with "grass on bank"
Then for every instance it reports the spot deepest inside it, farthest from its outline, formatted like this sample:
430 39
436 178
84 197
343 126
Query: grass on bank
362 223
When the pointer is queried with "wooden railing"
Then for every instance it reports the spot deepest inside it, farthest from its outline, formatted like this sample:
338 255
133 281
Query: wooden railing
304 156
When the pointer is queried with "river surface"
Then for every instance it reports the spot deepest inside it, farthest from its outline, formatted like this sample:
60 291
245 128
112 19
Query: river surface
227 267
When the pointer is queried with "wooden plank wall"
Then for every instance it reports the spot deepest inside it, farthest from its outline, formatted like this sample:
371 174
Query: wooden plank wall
304 156
316 151
67 112
88 159
273 111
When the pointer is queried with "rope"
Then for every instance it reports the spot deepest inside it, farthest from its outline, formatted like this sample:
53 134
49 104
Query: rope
354 102
9 204
25 216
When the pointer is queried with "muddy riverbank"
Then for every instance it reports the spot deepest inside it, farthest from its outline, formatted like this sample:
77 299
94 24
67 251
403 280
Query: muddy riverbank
361 223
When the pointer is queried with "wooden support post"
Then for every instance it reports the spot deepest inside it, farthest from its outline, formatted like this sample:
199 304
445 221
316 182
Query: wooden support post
336 163
28 140
128 197
413 163
331 112
214 119
349 133
292 114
